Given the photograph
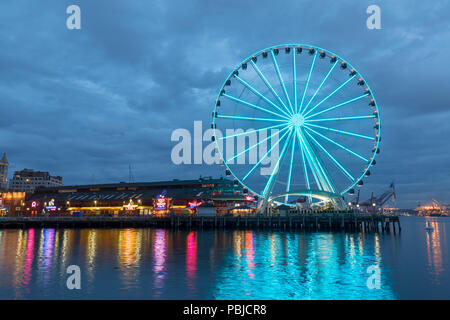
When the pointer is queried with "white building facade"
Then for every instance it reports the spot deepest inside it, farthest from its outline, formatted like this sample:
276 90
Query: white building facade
28 180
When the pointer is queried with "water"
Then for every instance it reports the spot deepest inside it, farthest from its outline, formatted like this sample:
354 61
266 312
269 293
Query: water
166 264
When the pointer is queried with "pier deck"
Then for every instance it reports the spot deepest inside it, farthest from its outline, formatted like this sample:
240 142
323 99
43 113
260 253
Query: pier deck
312 222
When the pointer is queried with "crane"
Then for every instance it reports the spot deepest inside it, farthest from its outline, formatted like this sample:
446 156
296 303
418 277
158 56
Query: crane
373 203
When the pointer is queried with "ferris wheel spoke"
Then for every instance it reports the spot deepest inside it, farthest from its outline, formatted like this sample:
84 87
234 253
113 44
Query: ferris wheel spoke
305 169
337 106
252 131
341 118
330 95
251 105
341 131
268 186
275 63
259 94
322 172
321 84
264 79
305 155
307 82
333 159
294 77
288 186
255 145
264 156
337 144
249 118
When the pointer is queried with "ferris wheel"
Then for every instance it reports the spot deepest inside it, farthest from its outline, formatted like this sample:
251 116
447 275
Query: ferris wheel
296 121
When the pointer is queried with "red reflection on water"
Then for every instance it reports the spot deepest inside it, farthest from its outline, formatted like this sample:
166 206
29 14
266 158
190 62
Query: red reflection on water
29 255
191 254
249 253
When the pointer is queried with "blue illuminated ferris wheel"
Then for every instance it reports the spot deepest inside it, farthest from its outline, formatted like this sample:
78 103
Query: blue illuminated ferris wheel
296 123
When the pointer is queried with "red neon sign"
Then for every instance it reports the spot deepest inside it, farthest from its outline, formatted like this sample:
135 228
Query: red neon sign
194 203
161 204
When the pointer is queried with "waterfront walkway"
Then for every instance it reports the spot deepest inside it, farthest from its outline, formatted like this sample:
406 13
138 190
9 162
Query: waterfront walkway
312 222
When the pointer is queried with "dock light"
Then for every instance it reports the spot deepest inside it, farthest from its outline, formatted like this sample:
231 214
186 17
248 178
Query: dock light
357 205
374 204
350 204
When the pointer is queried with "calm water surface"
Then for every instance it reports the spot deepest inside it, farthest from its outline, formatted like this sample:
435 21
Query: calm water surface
166 264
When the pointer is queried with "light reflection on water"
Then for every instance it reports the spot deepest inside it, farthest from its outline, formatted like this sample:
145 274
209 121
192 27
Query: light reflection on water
166 264
159 261
301 266
436 243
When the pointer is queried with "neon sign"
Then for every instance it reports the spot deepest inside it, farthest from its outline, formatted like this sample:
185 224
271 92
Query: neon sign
51 205
130 206
194 203
161 203
34 204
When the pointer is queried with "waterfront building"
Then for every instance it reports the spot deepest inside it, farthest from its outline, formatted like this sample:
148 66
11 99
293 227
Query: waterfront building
28 180
13 204
4 173
206 196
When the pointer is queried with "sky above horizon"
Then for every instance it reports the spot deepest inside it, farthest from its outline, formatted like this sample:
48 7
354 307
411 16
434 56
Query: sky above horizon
85 104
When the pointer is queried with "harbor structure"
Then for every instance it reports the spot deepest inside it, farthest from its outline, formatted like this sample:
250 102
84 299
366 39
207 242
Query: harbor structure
313 221
182 197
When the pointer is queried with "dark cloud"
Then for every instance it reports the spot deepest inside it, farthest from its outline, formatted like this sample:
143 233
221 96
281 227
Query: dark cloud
85 104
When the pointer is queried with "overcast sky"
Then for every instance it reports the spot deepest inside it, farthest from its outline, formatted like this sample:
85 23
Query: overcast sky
84 104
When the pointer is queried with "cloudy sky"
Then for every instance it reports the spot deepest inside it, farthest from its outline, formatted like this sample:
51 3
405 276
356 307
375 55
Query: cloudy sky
85 104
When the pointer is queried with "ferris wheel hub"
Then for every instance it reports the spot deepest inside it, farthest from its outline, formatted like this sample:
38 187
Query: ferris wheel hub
297 120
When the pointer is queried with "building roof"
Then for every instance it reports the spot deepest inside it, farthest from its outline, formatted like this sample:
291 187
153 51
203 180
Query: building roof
201 182
203 188
31 173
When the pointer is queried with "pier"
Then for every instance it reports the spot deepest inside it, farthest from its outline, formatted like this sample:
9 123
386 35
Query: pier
349 222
